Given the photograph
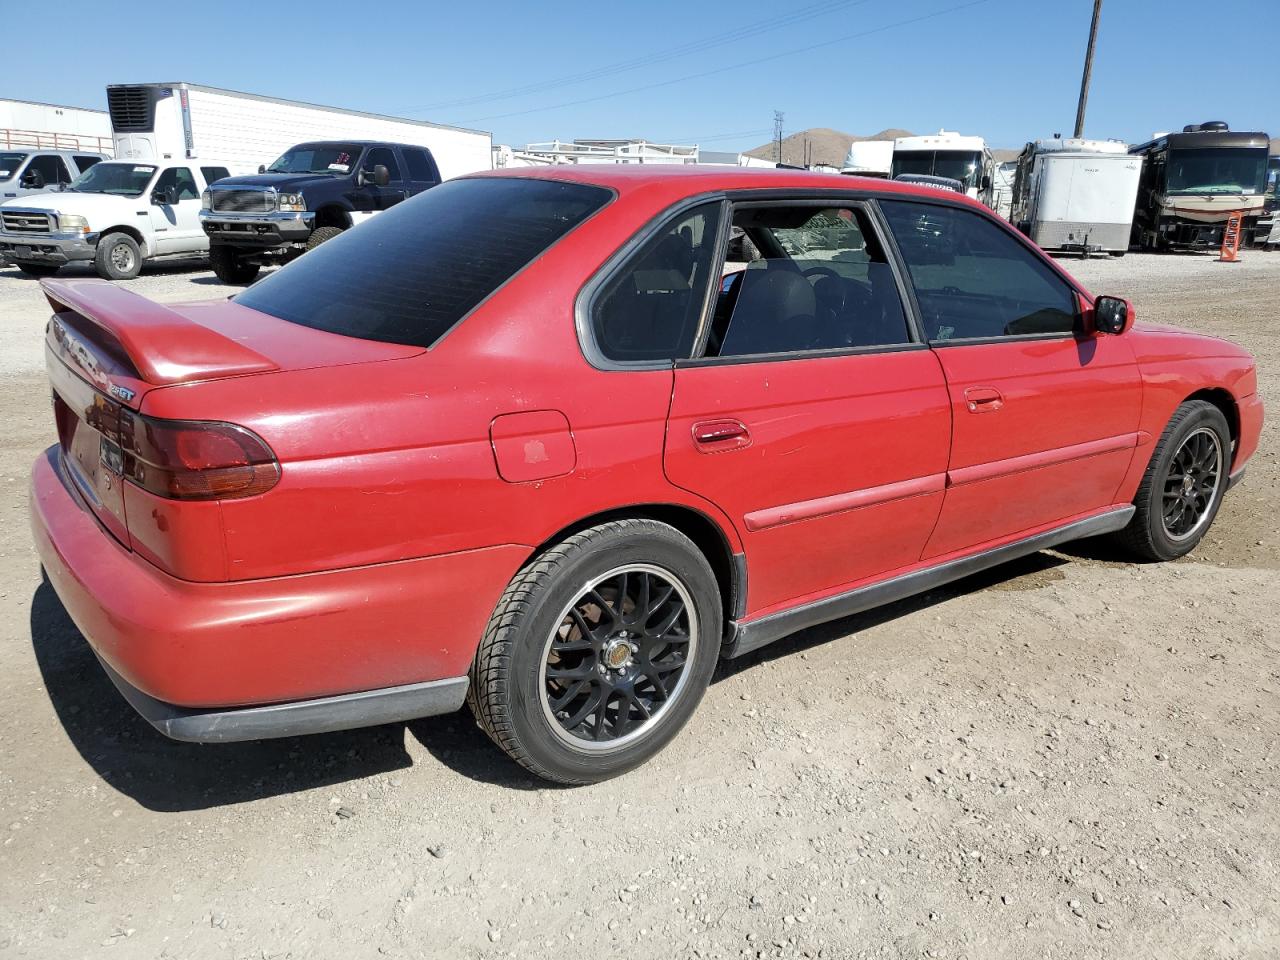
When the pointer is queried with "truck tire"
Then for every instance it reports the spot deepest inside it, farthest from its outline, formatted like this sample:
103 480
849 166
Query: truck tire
37 269
229 268
320 234
118 257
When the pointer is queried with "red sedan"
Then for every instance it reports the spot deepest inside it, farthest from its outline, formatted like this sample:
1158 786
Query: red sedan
551 443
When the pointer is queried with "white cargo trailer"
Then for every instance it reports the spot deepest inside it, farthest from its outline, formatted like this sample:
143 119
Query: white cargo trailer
166 121
51 126
1077 195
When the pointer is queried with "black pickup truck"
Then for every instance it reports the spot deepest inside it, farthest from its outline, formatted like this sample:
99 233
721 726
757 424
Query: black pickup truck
312 193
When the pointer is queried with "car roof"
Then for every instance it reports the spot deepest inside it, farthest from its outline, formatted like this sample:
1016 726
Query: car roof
693 179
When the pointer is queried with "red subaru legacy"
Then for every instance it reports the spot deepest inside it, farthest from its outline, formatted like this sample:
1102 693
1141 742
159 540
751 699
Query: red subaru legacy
552 442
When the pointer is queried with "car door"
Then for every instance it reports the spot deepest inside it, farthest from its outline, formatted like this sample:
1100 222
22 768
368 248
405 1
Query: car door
420 169
395 190
175 212
808 412
1045 417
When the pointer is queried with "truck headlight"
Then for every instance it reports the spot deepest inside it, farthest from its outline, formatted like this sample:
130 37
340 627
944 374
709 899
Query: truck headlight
72 222
291 202
206 199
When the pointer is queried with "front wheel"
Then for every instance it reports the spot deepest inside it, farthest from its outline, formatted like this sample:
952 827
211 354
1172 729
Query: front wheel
1184 484
37 269
228 267
117 257
599 651
322 235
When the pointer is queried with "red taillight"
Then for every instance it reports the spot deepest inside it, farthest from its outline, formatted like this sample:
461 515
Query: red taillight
195 459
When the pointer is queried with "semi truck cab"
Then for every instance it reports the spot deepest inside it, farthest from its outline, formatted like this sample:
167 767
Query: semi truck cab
313 192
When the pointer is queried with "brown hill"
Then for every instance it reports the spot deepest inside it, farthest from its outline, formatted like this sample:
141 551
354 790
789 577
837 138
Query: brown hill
818 145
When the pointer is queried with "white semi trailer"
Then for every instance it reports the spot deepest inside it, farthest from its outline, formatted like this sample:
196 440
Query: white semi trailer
175 121
1077 195
25 124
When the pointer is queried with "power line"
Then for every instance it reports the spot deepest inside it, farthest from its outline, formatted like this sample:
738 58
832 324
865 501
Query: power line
733 66
693 46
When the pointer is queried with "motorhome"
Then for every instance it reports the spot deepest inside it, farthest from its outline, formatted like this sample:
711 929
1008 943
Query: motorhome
868 158
1076 195
947 154
185 121
1193 181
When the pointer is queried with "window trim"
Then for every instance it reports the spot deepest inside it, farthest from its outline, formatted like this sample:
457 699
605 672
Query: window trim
589 294
1078 293
821 202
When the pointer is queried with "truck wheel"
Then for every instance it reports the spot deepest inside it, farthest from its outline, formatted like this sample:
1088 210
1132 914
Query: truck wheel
37 269
1183 487
118 257
320 234
229 268
599 651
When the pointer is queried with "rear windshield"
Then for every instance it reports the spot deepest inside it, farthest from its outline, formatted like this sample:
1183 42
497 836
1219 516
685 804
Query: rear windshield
410 274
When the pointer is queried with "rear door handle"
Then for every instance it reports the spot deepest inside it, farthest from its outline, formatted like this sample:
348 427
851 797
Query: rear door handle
983 399
716 435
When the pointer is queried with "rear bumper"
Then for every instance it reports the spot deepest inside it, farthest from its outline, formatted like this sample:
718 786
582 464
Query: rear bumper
286 653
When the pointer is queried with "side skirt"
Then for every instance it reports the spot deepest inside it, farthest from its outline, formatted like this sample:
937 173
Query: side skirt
757 633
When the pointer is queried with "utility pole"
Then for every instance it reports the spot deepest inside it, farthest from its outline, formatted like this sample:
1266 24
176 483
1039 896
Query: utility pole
1088 69
777 135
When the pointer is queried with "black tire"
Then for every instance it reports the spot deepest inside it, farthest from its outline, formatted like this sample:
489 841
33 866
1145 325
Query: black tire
228 267
510 683
321 234
1148 535
1118 253
117 257
37 269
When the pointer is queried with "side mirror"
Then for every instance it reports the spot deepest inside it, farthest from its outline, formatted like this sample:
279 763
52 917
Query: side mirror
986 182
164 196
262 168
33 180
381 176
1112 315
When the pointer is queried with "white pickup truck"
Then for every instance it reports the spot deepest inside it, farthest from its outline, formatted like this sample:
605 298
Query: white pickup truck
117 214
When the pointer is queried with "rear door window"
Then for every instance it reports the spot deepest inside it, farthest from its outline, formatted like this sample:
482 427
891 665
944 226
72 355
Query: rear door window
649 308
408 275
85 162
419 164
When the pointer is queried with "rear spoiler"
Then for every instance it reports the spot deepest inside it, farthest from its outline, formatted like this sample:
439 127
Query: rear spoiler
163 346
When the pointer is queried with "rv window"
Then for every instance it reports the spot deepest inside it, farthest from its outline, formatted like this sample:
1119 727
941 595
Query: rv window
973 279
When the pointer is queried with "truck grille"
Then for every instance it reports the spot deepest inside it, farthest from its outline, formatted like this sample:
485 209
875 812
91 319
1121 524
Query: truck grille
242 201
131 108
18 221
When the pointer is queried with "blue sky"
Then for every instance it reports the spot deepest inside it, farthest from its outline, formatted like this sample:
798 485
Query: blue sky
668 70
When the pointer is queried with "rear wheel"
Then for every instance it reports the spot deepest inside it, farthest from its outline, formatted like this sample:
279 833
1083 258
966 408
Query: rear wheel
117 257
321 234
599 651
37 269
228 267
1183 487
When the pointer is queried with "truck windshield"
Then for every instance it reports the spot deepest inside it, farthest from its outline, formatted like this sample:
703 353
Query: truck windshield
117 179
1218 170
962 165
408 275
335 158
9 164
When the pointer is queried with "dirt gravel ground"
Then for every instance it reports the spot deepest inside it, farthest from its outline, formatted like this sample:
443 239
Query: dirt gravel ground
1070 757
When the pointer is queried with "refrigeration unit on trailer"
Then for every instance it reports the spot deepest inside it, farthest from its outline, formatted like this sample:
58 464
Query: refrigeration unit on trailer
174 121
868 158
1193 181
1076 195
947 154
